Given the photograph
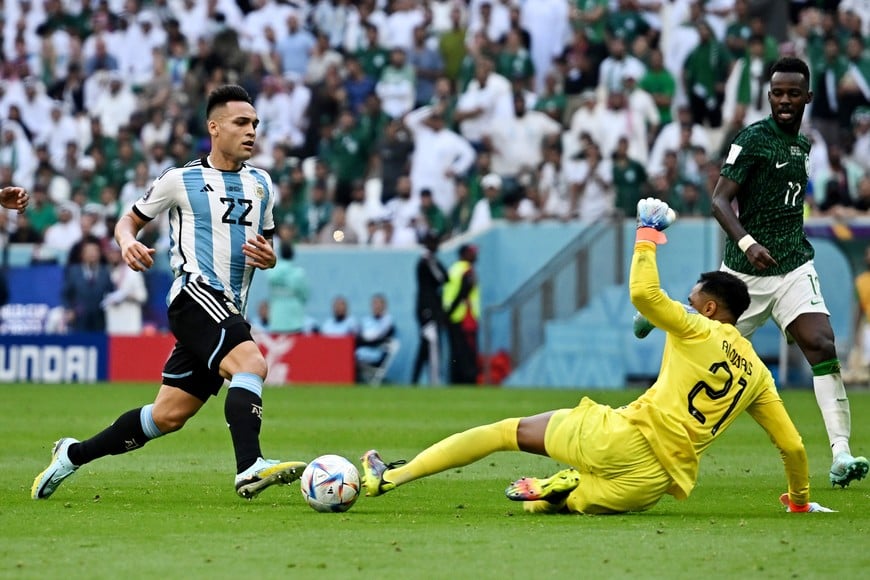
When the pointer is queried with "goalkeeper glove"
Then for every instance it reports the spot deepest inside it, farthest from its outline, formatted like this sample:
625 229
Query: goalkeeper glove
653 216
811 507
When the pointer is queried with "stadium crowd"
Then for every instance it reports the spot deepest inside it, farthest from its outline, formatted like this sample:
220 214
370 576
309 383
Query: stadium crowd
381 120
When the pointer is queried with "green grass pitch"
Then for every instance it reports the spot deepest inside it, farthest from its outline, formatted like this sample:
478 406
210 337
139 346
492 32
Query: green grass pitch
169 510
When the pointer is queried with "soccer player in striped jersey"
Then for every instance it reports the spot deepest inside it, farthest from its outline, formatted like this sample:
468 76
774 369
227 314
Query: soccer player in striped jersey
766 172
220 211
627 459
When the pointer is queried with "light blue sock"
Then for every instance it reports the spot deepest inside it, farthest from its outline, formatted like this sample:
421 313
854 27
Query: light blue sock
149 427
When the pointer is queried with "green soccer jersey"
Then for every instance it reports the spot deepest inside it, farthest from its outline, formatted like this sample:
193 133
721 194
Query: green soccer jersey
772 169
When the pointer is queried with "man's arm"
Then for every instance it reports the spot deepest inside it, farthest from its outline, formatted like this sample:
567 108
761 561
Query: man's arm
769 412
14 198
724 194
137 255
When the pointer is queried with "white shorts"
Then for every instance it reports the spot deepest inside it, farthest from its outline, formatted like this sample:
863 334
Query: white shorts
782 298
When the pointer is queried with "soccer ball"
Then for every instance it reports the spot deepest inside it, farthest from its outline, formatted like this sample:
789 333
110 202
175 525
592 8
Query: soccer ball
330 483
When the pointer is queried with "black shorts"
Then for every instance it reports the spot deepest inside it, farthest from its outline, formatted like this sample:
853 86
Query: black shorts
207 326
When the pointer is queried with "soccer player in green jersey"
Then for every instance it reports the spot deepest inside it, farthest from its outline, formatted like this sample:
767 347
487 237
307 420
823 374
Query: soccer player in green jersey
766 172
627 459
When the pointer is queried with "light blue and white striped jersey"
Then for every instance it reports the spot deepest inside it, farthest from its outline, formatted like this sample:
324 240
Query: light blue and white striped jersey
212 213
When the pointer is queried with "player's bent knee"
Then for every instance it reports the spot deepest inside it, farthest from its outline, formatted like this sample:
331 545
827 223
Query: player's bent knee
244 358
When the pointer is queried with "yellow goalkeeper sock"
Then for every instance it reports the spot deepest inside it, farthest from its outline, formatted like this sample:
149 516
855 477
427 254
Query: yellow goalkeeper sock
458 450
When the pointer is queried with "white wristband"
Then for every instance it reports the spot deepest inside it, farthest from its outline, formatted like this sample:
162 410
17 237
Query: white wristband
745 242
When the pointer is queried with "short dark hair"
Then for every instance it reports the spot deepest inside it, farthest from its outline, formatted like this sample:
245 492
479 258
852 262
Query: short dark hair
727 289
286 249
226 94
791 64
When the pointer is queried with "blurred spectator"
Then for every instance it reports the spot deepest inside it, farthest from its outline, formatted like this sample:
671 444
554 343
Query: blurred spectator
376 329
837 188
322 58
854 87
292 205
347 152
440 155
70 89
61 236
516 144
116 106
591 180
86 285
295 47
24 232
92 229
433 219
403 211
585 121
41 210
396 88
357 84
547 24
427 64
16 152
629 180
372 56
319 212
392 155
461 301
340 323
485 102
551 100
157 129
672 135
617 119
589 20
337 231
135 188
644 120
554 194
861 138
272 105
490 208
430 275
752 82
288 292
452 45
705 70
399 27
123 305
862 202
611 74
59 130
661 85
460 215
358 211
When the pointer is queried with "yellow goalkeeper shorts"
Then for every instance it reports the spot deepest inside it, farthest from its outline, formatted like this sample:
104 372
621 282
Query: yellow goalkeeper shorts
618 470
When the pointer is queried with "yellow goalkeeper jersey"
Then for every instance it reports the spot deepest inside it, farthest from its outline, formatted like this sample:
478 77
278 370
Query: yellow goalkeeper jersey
709 375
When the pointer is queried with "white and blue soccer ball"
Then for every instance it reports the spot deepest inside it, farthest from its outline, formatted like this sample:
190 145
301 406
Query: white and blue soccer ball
330 483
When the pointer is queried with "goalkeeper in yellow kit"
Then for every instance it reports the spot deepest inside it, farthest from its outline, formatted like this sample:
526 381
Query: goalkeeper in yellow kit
626 459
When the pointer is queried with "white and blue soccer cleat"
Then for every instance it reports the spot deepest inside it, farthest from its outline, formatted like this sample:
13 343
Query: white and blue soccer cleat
60 468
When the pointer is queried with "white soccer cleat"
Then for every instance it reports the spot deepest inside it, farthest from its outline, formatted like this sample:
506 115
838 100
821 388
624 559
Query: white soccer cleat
60 468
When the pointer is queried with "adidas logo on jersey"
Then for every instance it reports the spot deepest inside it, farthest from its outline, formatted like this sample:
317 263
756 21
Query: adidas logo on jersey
206 188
